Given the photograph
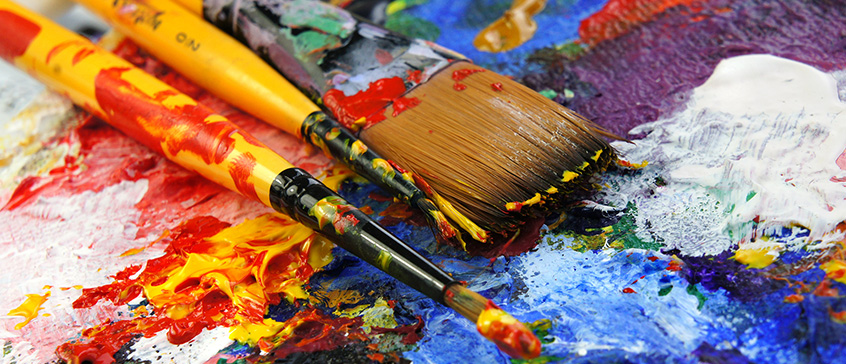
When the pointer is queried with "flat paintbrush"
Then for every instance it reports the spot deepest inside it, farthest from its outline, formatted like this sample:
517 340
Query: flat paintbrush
193 136
227 69
498 152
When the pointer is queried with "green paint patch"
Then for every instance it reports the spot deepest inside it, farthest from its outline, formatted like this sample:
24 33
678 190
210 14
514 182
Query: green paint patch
543 359
624 231
550 94
665 290
750 195
310 42
693 291
541 329
413 26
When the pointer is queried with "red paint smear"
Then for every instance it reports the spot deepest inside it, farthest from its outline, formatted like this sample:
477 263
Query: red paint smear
370 103
461 74
404 103
794 298
824 289
415 76
344 219
24 32
410 333
241 169
512 244
841 160
382 56
316 331
618 16
459 86
82 54
674 266
652 259
837 316
497 86
628 290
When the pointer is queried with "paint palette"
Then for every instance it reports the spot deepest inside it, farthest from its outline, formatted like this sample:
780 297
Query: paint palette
727 245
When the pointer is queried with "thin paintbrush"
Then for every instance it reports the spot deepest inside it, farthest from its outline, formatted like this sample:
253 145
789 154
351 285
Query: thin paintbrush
500 153
226 68
191 135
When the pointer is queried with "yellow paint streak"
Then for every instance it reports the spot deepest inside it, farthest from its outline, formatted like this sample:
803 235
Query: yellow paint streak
569 176
251 332
383 167
29 308
379 314
835 269
358 148
552 190
514 28
465 223
512 206
596 156
384 260
756 258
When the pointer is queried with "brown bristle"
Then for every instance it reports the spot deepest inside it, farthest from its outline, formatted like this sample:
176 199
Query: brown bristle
464 301
481 147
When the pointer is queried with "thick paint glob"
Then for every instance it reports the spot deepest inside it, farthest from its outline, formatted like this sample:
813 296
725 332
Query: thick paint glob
211 275
29 308
366 107
514 28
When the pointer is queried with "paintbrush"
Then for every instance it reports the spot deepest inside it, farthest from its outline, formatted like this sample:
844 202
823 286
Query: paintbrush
498 152
228 69
193 136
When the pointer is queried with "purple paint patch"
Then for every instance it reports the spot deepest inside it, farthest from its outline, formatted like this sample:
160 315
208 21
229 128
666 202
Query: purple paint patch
651 70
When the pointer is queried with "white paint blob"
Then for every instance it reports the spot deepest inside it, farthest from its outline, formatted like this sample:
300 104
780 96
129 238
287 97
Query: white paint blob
759 140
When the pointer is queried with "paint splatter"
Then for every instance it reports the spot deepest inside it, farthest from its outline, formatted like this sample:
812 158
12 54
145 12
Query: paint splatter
514 28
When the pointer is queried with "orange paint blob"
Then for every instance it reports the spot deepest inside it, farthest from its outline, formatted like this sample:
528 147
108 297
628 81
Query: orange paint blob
514 28
509 335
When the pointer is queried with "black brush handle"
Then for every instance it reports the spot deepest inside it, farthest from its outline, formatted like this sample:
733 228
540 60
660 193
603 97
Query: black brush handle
326 133
296 193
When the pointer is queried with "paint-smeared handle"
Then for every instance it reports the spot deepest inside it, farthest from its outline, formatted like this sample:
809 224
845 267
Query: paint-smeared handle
321 47
138 104
327 134
191 135
208 57
299 195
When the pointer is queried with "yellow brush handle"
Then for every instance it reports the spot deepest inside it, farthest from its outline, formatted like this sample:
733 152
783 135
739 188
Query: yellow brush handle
209 57
138 104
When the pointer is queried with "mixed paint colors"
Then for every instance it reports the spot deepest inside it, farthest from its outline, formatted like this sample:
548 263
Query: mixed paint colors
726 246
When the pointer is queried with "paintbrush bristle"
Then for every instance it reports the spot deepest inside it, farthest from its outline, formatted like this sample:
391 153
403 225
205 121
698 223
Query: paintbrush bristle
499 152
464 301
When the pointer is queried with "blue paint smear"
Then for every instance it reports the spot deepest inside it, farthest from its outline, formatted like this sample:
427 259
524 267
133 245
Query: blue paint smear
593 319
582 293
558 24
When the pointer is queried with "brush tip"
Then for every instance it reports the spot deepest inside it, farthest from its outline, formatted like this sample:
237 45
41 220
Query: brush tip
510 335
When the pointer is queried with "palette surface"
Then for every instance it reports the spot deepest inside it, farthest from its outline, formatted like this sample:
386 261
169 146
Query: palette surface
723 242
